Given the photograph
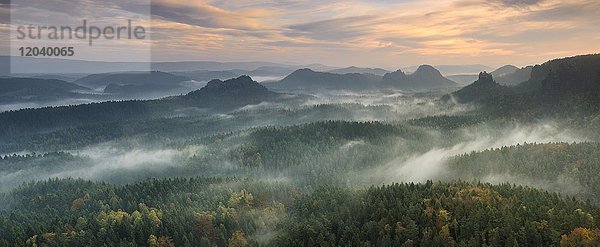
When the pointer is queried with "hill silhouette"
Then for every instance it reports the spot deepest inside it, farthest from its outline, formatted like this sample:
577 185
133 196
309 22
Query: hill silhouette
425 78
307 79
514 78
485 87
33 89
504 70
357 70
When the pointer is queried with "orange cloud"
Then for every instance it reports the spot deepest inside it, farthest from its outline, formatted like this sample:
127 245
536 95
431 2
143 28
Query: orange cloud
409 30
202 13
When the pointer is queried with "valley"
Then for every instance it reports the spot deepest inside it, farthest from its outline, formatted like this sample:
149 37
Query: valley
318 158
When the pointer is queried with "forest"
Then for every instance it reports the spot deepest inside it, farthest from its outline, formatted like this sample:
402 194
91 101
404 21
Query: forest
236 163
242 212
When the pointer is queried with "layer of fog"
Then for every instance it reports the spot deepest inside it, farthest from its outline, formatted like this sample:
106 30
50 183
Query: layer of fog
131 162
390 106
267 78
404 104
432 164
118 163
106 162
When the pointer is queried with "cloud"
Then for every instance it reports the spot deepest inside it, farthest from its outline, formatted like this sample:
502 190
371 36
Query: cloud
203 14
334 29
579 11
353 32
519 3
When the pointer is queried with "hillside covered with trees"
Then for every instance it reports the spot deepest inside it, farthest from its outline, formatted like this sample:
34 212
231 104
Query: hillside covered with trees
236 164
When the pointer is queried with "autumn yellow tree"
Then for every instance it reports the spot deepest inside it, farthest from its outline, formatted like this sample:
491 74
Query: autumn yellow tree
581 237
238 240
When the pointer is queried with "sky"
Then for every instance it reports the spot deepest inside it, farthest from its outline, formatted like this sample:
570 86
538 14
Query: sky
368 33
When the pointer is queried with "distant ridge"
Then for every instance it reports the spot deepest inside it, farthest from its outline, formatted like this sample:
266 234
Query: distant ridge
309 79
357 70
34 89
447 70
504 70
24 85
130 78
69 66
508 75
516 77
425 78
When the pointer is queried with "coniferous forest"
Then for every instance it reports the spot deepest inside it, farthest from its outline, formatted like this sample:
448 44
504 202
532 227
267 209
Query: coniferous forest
315 159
